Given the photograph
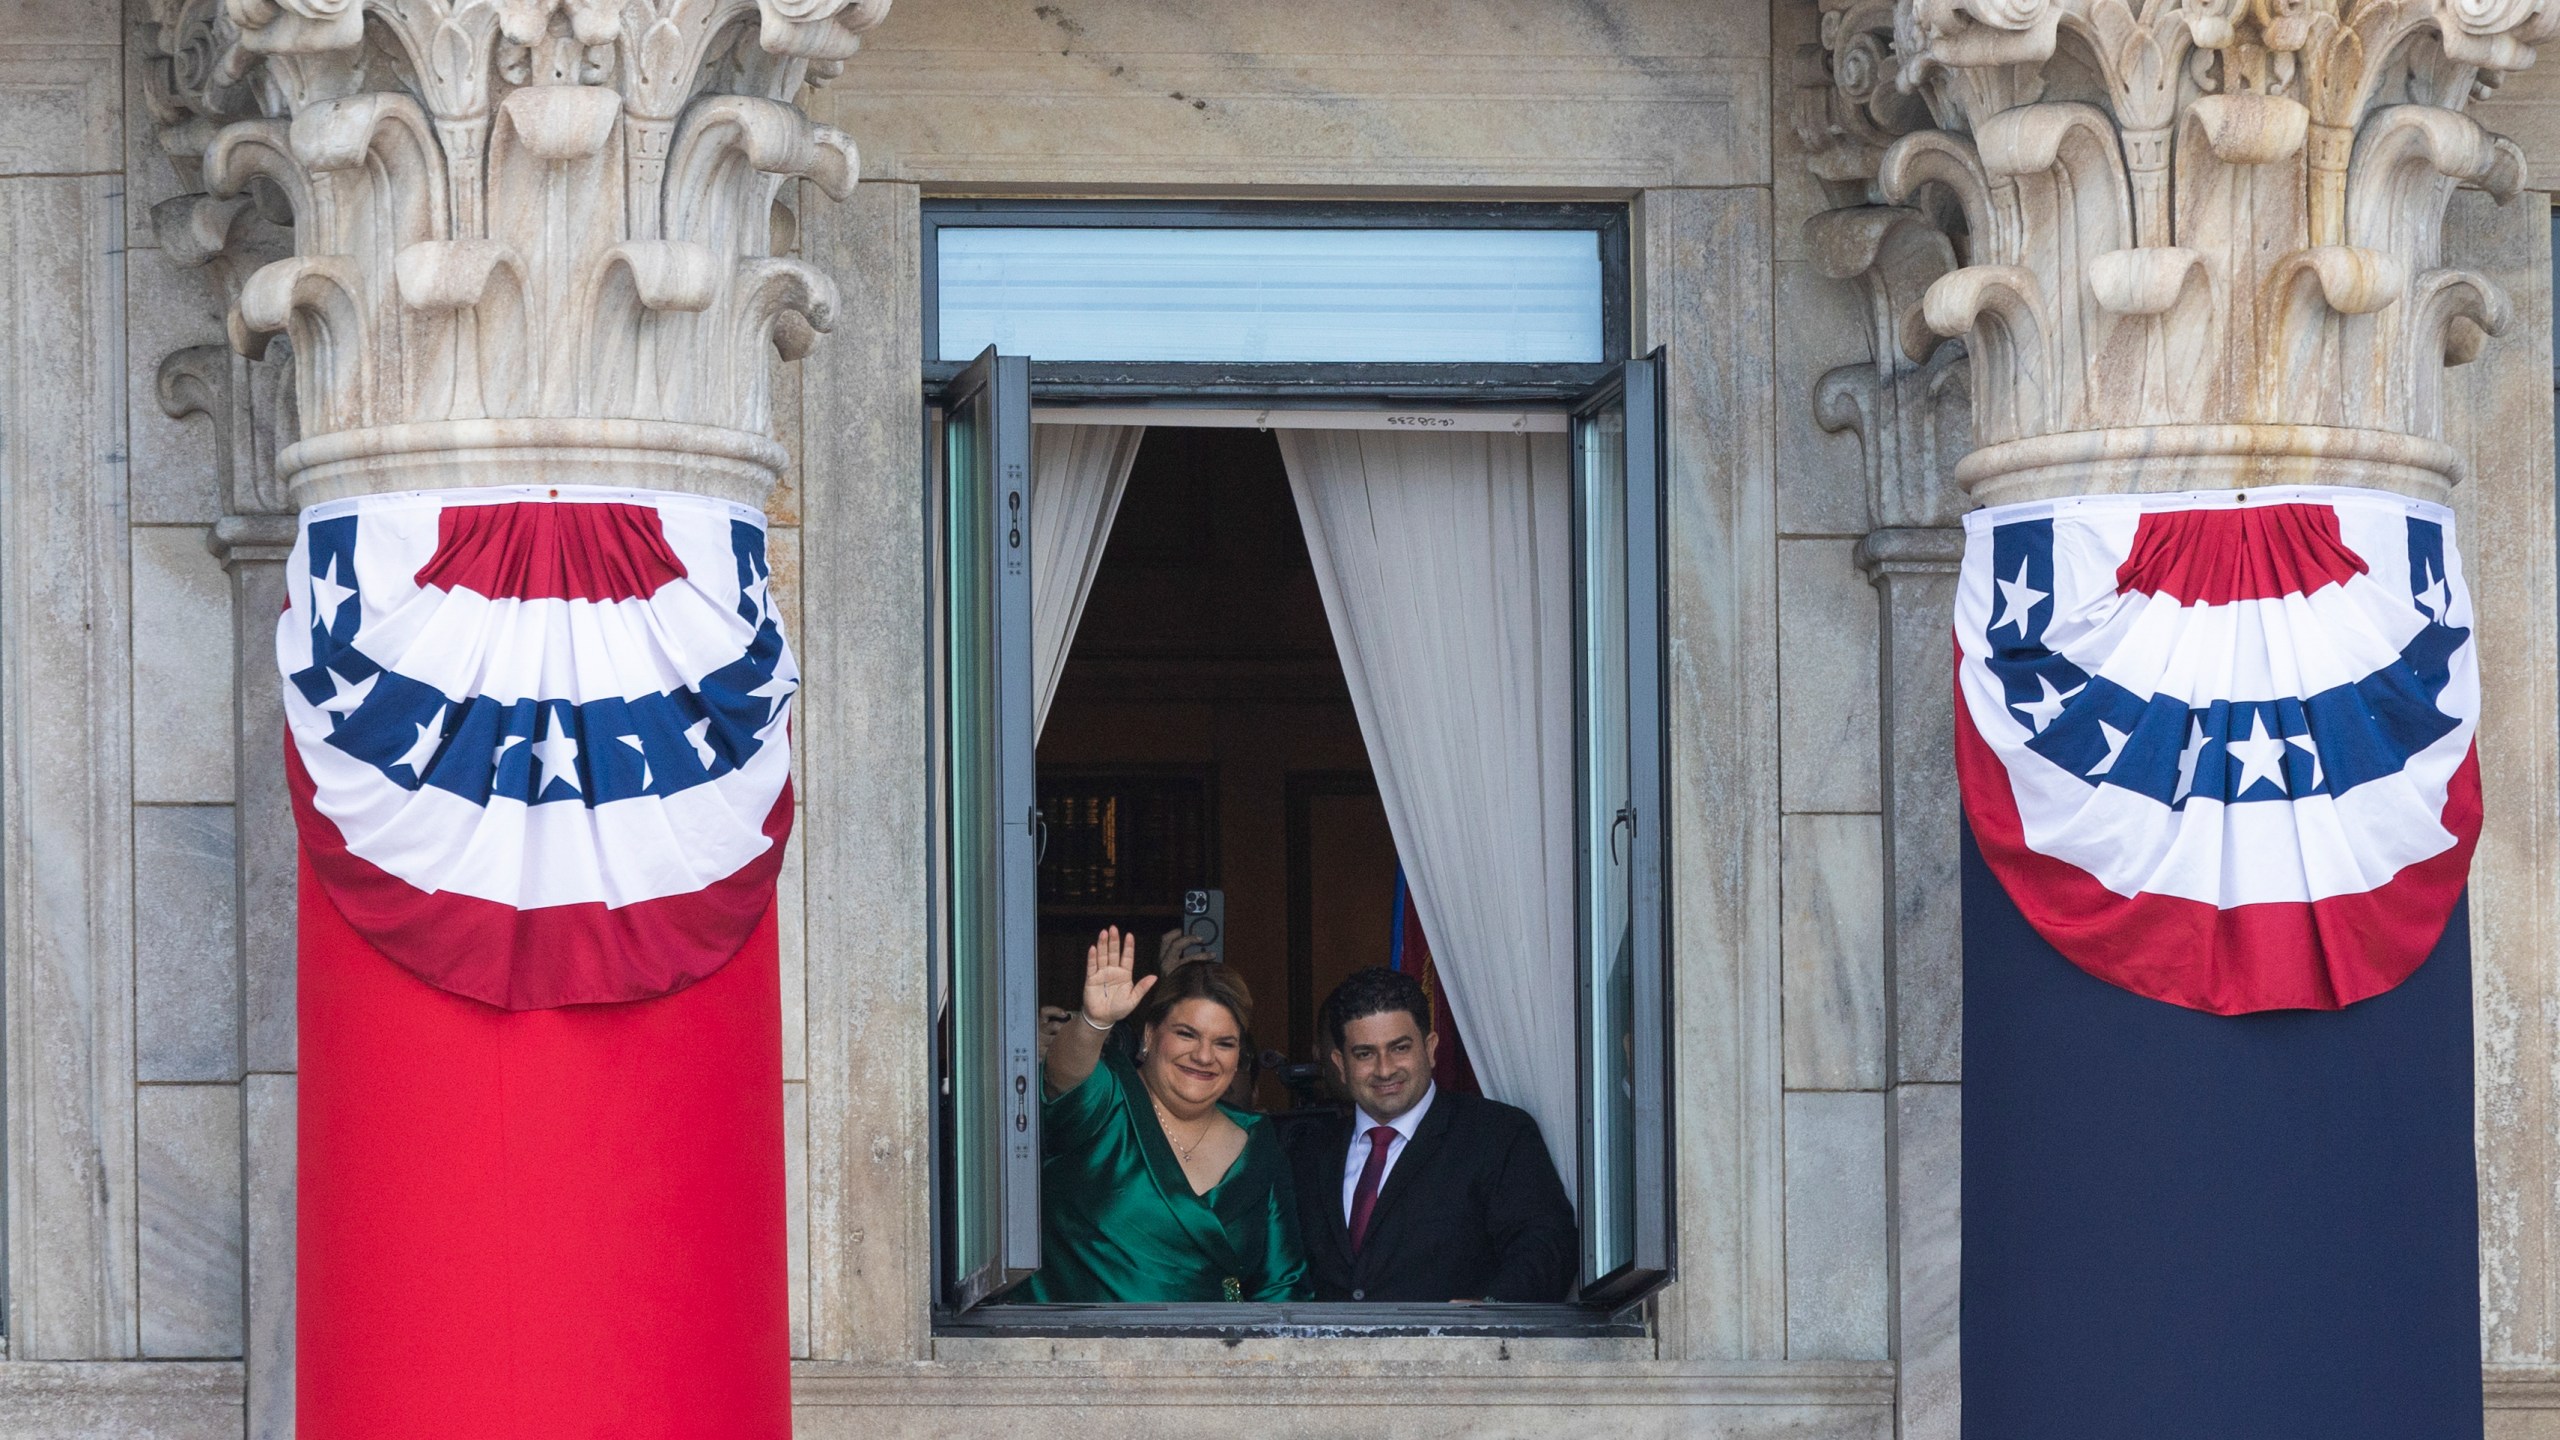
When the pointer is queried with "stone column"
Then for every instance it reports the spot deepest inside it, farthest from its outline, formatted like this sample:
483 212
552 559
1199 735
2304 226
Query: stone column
1914 569
245 402
253 547
1911 409
467 243
2109 248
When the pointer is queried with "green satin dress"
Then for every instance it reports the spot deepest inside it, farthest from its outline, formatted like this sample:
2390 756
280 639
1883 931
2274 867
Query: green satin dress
1119 1221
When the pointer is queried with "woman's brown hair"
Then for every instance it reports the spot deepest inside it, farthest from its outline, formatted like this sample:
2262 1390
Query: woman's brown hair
1200 980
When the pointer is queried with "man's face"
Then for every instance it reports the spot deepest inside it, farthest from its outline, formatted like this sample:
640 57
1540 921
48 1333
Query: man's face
1384 1063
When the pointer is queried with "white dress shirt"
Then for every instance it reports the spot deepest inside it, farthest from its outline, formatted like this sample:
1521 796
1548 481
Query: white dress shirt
1404 1125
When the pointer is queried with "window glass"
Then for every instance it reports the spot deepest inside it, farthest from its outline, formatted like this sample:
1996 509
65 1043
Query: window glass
971 723
1608 932
1303 295
991 1174
1618 477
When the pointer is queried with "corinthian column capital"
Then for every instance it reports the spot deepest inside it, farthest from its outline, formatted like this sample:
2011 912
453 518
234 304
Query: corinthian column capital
524 233
2197 242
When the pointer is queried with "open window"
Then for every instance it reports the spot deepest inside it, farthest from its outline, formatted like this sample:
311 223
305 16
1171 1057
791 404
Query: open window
1194 591
985 1015
1621 941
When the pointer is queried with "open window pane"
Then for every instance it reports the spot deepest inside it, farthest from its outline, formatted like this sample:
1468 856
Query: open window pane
1308 295
991 1164
1619 784
1607 937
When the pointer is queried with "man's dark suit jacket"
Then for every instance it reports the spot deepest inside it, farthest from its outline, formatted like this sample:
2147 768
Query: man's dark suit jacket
1471 1211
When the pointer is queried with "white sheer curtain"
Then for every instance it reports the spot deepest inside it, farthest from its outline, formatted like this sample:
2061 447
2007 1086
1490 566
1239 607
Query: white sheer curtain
1078 473
1446 564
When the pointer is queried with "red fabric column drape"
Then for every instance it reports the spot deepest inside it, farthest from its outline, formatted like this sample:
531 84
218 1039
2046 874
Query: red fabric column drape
538 1224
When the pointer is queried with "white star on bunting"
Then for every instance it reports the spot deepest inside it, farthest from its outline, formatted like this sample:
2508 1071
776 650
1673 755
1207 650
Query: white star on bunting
2115 739
773 692
2187 760
699 732
2047 708
2017 597
422 751
2261 756
2313 747
327 594
634 742
557 754
348 695
2433 598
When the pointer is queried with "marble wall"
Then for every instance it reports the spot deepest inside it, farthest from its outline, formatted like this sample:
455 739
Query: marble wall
74 1248
146 885
2499 413
1137 96
118 984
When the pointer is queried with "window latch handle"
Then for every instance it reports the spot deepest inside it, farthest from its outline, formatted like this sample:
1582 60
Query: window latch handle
1038 824
1626 818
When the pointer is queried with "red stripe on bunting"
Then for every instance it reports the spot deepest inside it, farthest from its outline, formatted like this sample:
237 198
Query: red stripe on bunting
537 550
583 954
2220 554
2320 955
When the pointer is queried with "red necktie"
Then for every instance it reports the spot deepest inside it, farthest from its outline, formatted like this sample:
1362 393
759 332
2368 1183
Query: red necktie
1364 1197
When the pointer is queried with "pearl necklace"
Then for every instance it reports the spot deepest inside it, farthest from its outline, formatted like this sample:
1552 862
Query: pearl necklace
1164 1122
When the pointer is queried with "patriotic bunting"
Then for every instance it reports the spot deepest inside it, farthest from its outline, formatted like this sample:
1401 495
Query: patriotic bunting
2218 746
540 737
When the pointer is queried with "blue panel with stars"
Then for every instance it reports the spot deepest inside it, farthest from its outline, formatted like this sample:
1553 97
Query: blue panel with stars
755 573
541 751
2233 752
2036 680
538 751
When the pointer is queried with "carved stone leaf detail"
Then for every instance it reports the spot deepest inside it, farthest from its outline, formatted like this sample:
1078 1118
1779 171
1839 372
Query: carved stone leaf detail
2201 241
519 227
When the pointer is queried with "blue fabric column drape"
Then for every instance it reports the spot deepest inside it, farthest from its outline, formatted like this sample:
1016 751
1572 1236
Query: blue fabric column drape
2209 1227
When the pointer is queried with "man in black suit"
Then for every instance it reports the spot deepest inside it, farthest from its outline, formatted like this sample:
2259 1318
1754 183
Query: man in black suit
1420 1194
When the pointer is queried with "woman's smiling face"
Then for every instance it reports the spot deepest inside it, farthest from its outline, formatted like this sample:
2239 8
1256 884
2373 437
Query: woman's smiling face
1192 1053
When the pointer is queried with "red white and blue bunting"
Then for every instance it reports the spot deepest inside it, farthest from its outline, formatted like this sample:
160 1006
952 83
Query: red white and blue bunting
539 738
2218 746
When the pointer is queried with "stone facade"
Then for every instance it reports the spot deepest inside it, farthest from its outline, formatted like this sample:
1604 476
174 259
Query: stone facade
1831 368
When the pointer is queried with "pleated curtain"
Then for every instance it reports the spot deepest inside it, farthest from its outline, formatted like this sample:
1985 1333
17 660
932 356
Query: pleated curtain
1446 566
1078 474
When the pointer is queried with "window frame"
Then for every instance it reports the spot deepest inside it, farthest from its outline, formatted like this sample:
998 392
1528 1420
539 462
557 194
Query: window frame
1637 391
1001 464
1566 389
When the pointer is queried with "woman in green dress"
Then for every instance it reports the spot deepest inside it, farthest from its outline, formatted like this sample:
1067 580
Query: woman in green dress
1150 1189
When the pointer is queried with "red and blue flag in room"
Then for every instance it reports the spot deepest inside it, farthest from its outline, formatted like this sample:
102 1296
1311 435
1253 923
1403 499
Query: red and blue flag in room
2216 752
538 744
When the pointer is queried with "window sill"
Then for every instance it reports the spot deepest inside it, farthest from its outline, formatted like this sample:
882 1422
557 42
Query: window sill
1288 1322
1396 1386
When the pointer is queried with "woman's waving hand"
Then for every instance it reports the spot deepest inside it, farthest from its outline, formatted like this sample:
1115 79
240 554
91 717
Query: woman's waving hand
1112 993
